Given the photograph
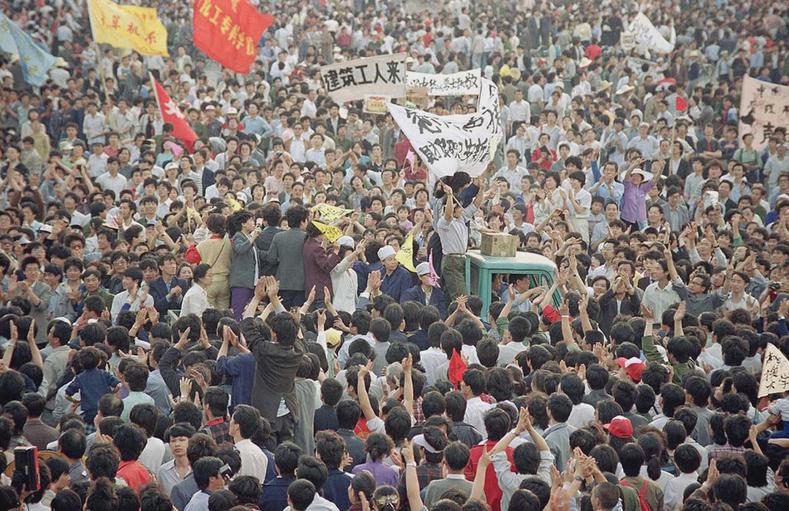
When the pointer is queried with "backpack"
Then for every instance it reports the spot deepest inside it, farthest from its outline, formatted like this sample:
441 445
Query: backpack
642 494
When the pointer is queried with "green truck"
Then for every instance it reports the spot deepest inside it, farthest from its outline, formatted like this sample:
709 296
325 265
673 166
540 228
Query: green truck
480 270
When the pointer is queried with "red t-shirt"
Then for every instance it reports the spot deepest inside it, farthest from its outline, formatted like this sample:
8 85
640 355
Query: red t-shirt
136 475
492 489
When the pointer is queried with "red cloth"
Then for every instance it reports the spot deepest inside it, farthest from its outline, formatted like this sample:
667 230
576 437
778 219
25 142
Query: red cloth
492 488
682 104
318 264
135 474
401 151
192 255
456 368
593 51
228 31
172 115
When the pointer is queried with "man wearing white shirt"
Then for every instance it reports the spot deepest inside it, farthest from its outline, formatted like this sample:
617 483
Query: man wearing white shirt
298 144
243 425
522 143
520 110
512 172
472 386
112 179
94 125
97 161
133 297
308 108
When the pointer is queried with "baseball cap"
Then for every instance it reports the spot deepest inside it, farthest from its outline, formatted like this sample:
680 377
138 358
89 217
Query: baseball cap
333 337
423 443
633 367
386 251
422 269
346 241
620 427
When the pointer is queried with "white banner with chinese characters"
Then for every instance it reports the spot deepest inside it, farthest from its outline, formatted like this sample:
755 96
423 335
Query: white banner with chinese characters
775 372
452 143
764 106
382 75
642 34
464 83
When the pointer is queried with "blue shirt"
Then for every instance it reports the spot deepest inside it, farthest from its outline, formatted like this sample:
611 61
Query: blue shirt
275 494
242 369
91 385
395 284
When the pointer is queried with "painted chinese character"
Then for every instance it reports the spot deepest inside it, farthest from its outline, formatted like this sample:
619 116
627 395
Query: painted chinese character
205 8
332 80
364 79
133 29
151 38
393 71
215 18
425 124
346 76
767 132
116 23
226 24
250 46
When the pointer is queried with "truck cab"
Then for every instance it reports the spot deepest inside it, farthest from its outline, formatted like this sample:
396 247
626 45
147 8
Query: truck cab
481 269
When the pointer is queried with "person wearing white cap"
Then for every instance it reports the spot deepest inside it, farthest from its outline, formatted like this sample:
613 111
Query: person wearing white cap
344 279
396 279
425 292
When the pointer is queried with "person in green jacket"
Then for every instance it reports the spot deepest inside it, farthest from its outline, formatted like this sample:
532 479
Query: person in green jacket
679 347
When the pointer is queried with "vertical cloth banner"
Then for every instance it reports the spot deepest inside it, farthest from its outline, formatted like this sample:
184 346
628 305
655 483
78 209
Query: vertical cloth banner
128 26
172 114
35 61
382 75
763 108
453 143
641 33
228 31
775 372
464 83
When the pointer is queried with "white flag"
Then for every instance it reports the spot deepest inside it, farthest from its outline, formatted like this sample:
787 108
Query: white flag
454 143
645 36
775 372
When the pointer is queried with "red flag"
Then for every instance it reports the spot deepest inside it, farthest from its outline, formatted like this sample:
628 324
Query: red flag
171 114
682 104
456 368
228 31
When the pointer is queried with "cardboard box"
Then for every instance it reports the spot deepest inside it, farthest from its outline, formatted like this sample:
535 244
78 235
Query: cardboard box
499 245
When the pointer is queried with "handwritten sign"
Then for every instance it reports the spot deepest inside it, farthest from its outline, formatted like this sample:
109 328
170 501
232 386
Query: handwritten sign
375 104
465 83
381 75
763 108
643 34
775 372
453 143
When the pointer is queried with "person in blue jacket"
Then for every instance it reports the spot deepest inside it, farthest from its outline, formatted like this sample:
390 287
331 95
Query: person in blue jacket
395 279
425 292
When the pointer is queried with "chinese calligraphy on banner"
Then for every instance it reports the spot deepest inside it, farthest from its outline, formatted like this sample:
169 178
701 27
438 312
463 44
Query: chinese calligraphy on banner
642 34
775 372
465 83
228 31
382 75
452 143
128 26
763 107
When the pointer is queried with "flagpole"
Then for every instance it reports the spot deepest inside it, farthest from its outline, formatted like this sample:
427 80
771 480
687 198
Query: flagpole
99 67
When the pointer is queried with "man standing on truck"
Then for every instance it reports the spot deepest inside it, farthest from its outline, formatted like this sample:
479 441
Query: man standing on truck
452 229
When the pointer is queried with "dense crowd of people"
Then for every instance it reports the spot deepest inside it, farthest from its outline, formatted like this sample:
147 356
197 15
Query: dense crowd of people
240 325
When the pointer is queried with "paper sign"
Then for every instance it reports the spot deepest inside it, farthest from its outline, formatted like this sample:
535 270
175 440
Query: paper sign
351 80
452 143
775 372
375 104
764 107
465 83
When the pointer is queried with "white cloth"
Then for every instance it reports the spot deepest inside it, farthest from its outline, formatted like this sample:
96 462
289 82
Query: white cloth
195 301
475 415
253 460
153 455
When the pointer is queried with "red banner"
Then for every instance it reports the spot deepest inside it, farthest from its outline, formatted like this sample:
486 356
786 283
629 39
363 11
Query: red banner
173 115
228 31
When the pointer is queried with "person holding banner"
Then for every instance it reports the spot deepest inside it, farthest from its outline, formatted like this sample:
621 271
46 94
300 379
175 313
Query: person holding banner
452 229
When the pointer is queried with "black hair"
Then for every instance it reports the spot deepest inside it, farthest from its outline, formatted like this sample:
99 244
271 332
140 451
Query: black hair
102 461
348 413
301 492
72 443
145 415
730 489
130 441
456 455
205 468
286 458
248 420
247 489
631 456
497 423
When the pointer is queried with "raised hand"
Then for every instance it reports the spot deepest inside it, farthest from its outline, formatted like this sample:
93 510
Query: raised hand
679 314
183 339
